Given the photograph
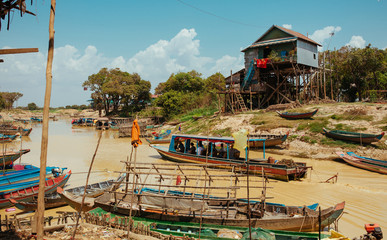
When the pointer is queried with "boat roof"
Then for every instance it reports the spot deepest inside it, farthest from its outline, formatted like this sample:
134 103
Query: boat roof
209 138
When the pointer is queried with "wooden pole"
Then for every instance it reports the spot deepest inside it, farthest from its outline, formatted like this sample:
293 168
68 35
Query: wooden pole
325 90
39 215
87 182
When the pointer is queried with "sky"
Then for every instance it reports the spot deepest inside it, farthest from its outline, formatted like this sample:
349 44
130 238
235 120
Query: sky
156 38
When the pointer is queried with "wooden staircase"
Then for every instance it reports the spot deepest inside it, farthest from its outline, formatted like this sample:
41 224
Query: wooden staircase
239 103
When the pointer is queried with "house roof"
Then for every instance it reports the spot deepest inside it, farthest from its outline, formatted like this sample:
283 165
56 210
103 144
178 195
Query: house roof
295 35
271 42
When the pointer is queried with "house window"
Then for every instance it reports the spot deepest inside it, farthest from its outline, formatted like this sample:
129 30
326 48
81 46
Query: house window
314 56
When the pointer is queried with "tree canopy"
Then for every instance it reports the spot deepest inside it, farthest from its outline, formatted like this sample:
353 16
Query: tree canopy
9 98
113 88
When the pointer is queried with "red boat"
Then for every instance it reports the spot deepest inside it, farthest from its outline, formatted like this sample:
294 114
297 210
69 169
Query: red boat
28 194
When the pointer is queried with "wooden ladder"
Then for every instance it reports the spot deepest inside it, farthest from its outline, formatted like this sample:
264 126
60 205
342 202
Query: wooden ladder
239 101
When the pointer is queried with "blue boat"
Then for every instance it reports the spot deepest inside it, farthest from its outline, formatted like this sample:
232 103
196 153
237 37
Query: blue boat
26 176
368 159
12 137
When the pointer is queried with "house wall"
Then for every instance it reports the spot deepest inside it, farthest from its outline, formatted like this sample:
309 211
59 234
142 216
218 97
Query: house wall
307 54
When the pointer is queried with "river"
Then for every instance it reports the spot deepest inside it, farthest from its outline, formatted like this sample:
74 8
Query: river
364 192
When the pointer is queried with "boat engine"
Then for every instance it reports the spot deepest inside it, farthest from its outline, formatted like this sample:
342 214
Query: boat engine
374 232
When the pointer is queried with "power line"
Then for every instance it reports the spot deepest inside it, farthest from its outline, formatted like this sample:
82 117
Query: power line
220 17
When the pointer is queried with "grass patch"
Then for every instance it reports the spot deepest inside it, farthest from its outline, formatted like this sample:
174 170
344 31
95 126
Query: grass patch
314 126
222 132
199 112
353 115
348 128
308 139
270 120
337 143
292 137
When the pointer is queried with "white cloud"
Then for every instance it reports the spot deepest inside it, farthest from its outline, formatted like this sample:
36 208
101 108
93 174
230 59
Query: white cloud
322 35
357 42
25 73
288 26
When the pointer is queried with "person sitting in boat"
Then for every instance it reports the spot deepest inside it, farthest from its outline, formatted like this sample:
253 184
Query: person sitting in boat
222 151
214 150
180 147
234 153
201 149
192 149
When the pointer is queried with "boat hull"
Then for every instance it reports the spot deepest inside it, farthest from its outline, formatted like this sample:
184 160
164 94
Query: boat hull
276 171
362 163
353 137
271 140
290 223
292 116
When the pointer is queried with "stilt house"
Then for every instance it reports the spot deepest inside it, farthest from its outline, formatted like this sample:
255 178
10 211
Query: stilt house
279 68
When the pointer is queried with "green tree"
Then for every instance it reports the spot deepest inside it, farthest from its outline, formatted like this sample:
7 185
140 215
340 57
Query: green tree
32 106
114 88
215 82
9 98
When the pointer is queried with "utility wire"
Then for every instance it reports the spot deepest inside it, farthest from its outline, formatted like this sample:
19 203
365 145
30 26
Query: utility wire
220 17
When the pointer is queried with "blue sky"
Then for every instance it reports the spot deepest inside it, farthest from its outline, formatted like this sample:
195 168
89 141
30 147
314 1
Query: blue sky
156 38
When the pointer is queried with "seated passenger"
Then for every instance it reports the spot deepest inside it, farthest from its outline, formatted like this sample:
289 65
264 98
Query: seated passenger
222 151
192 149
181 147
201 149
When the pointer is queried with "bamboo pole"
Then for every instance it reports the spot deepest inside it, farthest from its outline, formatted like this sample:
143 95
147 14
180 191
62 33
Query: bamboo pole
87 182
39 215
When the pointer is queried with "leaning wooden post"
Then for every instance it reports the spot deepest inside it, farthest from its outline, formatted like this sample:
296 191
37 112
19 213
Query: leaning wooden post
39 215
87 183
135 142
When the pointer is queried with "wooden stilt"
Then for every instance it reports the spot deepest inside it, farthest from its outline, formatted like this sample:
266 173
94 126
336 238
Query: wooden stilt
39 215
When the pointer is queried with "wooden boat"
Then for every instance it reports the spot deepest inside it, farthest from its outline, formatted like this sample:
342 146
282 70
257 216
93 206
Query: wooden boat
83 122
7 158
308 221
9 182
28 194
208 231
159 138
10 137
362 138
15 130
36 119
102 123
157 141
374 166
270 140
383 162
54 200
295 115
283 171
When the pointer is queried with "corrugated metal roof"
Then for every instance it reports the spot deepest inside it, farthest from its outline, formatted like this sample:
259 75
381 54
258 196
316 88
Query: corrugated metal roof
297 34
271 42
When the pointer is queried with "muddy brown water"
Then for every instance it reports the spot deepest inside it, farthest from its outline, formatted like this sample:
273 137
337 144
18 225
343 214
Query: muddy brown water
364 192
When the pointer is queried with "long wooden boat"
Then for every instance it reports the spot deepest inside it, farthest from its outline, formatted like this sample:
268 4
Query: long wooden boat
383 162
28 194
362 138
7 158
295 115
208 231
11 182
54 199
270 140
11 137
308 221
364 163
286 171
13 130
158 141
